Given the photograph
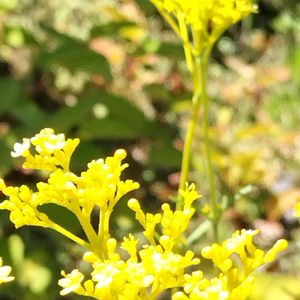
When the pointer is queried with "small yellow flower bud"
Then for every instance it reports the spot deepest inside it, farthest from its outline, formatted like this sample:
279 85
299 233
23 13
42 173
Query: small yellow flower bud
120 154
90 257
133 204
279 246
111 245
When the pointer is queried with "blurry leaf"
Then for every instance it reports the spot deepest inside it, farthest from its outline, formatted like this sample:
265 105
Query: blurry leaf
108 128
67 117
123 119
62 216
85 152
29 114
283 107
155 46
5 161
76 56
61 38
10 93
146 6
163 154
158 92
110 29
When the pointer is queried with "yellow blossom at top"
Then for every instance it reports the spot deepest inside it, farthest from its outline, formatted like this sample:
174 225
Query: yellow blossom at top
4 273
208 19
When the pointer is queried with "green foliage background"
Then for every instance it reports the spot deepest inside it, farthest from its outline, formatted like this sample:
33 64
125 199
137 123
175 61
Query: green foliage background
112 73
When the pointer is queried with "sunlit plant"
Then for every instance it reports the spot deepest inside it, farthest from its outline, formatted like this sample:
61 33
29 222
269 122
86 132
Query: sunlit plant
158 262
153 264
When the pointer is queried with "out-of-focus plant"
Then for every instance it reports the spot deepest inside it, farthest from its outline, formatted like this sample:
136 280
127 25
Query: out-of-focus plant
110 122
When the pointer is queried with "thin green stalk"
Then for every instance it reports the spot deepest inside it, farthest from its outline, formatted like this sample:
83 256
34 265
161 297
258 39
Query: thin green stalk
88 230
70 235
186 156
208 158
200 96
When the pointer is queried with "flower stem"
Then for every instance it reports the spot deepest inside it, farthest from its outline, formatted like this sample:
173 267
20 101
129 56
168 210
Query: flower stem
207 146
186 157
70 235
200 96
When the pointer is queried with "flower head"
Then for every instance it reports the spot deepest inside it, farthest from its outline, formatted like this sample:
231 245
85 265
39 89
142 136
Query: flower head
206 19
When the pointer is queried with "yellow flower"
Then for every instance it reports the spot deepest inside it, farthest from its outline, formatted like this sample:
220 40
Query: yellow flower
153 264
207 19
50 151
4 273
99 187
71 283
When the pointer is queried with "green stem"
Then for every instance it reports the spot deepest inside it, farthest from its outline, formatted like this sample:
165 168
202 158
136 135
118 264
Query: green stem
70 235
88 230
186 156
200 94
208 158
103 230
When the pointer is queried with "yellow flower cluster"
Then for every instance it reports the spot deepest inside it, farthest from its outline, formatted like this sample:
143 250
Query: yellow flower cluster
137 269
158 266
99 187
4 273
207 19
50 151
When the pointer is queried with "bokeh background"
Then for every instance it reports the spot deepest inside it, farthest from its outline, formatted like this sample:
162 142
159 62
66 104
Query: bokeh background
113 74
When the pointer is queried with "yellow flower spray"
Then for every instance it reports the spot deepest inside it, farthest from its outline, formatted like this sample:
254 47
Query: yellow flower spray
145 268
153 264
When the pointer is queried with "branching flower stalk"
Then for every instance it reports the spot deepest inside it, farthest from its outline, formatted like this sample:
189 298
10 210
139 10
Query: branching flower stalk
199 24
153 265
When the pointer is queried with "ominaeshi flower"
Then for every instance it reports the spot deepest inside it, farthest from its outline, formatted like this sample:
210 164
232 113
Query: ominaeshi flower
135 269
207 19
4 273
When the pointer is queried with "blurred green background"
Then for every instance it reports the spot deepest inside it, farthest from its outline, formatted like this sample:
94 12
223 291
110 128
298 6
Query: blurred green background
113 74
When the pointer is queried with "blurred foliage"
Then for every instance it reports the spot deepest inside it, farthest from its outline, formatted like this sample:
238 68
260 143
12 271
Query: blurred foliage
113 74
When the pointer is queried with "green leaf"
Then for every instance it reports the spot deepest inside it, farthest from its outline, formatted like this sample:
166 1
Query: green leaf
29 114
172 50
10 93
85 152
62 216
163 154
108 128
110 29
76 56
5 161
